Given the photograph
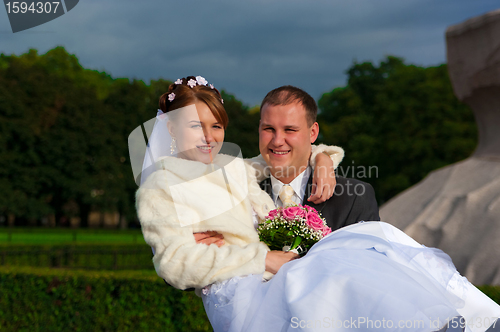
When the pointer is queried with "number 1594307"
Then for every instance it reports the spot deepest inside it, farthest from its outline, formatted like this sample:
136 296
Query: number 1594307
39 7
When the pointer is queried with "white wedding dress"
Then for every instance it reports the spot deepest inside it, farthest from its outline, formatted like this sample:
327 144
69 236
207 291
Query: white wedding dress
368 276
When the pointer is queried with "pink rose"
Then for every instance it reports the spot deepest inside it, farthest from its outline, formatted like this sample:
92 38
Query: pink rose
273 213
314 221
292 212
326 230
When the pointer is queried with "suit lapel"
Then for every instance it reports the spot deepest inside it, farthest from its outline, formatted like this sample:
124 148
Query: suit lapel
267 187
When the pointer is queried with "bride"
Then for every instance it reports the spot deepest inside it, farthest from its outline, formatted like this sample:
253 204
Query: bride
367 276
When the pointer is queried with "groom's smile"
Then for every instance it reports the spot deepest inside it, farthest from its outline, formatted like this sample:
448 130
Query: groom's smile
285 139
279 153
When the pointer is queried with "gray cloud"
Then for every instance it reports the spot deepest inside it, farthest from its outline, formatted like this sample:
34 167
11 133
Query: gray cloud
247 47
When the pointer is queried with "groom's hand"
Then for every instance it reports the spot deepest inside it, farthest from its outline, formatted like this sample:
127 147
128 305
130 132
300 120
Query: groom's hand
323 181
209 237
276 259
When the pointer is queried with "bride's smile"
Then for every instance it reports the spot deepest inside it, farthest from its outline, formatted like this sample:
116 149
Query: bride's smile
206 148
198 134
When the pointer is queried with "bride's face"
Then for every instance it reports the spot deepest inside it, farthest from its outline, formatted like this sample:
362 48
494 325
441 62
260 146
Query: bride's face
199 136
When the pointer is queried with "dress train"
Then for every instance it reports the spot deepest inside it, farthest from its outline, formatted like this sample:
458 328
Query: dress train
368 276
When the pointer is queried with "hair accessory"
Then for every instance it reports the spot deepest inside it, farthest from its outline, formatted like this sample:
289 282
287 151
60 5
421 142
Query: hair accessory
172 146
192 83
201 80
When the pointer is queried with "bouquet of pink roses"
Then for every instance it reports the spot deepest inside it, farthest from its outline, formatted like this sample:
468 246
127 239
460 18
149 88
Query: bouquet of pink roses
294 227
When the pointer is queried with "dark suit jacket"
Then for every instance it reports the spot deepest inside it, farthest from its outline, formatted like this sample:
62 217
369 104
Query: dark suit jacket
352 201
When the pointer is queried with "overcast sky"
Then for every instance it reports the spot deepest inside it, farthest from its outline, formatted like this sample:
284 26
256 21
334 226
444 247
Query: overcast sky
247 47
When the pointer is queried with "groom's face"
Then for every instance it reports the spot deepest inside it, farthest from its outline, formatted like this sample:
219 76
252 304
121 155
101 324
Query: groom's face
285 139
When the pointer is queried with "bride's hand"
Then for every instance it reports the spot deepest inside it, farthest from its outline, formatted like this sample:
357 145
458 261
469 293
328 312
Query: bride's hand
275 259
323 182
209 237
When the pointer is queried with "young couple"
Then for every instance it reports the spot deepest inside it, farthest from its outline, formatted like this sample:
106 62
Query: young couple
199 204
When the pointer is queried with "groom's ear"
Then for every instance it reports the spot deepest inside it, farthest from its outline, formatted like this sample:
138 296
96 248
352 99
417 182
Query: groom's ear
314 132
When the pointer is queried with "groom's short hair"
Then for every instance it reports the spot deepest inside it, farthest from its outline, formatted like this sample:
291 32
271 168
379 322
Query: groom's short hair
288 94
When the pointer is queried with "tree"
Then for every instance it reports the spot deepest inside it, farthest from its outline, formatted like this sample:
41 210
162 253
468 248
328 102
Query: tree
243 128
401 120
62 146
63 136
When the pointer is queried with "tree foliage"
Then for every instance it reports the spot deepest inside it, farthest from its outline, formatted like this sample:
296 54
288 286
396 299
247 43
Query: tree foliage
243 128
64 129
402 119
63 136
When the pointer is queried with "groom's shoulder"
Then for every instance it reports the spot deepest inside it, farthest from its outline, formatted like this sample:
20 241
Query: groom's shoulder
359 196
344 180
353 188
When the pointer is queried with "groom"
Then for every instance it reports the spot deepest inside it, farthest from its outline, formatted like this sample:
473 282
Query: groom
287 129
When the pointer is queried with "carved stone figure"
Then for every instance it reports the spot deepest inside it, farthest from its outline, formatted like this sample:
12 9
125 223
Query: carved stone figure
457 208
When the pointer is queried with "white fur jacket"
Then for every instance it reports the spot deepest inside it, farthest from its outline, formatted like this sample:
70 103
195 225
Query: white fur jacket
186 197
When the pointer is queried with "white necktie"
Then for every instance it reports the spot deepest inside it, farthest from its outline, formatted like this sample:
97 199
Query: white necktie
286 194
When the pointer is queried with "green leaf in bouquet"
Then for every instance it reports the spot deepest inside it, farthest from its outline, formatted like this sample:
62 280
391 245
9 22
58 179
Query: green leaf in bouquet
273 232
290 233
296 242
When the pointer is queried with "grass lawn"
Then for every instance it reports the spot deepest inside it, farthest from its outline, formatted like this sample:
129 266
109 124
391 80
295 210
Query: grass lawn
68 236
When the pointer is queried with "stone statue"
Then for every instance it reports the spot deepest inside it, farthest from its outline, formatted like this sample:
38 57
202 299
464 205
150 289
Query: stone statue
457 208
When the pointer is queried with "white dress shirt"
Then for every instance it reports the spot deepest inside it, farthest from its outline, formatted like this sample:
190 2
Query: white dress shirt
298 184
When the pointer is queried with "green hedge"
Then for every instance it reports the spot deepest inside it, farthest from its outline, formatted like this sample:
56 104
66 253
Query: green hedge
36 299
82 256
51 236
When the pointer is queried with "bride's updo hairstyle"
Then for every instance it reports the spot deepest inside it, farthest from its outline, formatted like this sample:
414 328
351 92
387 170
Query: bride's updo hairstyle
187 91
